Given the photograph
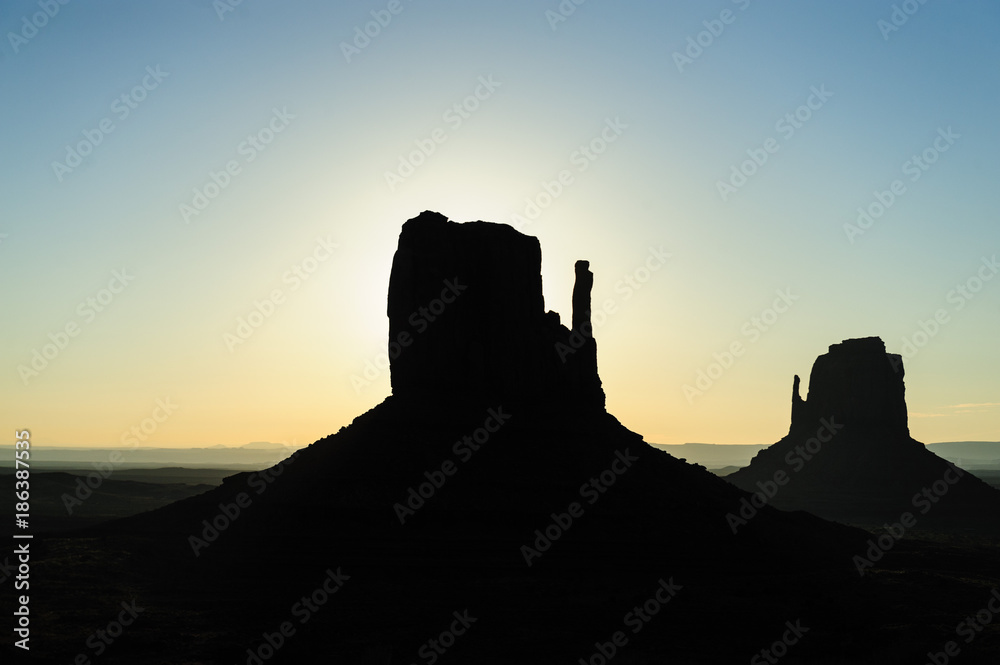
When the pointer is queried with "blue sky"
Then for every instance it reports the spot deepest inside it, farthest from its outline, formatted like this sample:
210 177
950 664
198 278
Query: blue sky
270 80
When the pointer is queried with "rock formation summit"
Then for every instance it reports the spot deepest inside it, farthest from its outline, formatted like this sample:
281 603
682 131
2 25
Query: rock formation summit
855 382
849 456
467 318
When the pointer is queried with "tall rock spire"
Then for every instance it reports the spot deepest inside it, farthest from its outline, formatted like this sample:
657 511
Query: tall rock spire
581 298
797 404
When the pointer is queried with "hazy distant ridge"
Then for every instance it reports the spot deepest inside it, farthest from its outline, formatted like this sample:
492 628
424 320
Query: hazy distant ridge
258 455
255 455
967 454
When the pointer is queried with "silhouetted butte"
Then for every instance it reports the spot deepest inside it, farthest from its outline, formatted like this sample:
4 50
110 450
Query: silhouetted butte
849 456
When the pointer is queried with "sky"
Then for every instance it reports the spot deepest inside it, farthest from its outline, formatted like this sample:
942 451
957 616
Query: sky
201 201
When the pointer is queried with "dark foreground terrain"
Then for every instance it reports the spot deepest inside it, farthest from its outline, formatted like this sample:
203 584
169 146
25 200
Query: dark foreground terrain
393 590
63 501
387 612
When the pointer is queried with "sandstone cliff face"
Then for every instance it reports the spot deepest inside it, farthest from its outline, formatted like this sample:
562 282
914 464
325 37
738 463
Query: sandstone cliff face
467 319
856 382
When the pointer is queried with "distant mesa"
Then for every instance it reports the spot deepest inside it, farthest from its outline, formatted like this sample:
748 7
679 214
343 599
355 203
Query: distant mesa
849 456
263 445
